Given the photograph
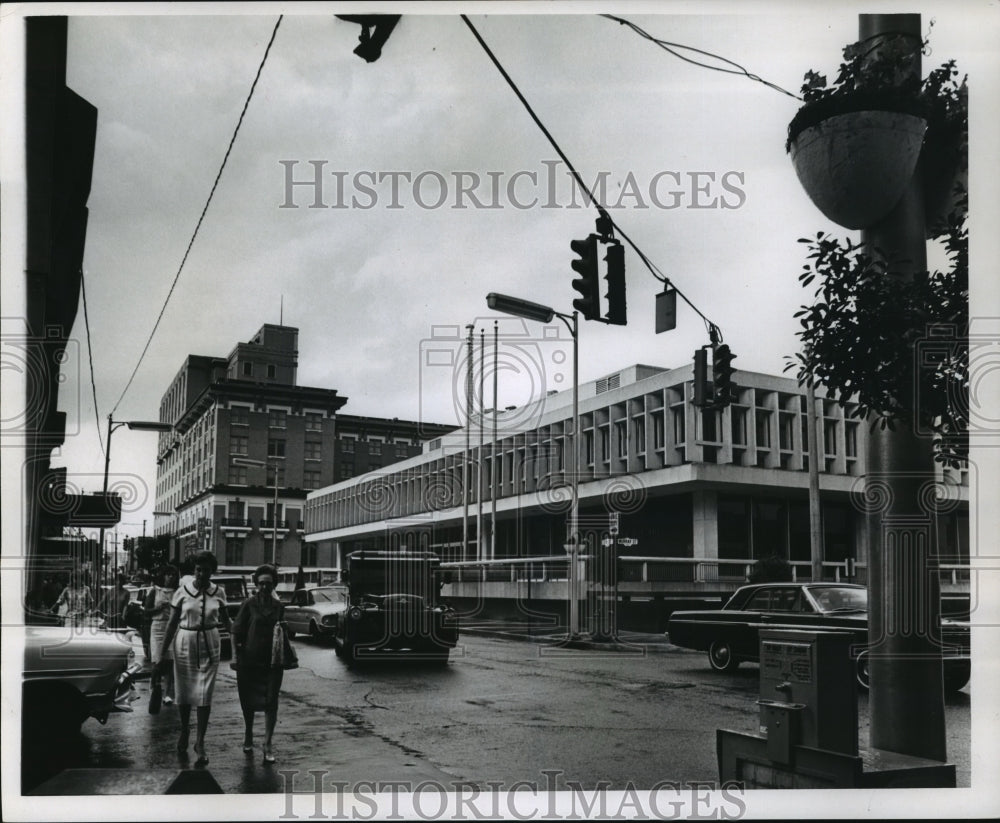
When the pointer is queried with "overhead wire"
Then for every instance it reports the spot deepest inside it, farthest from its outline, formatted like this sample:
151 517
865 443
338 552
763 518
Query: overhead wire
90 360
654 270
669 47
201 218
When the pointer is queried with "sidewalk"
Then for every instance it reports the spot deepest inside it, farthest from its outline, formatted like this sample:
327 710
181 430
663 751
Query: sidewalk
626 641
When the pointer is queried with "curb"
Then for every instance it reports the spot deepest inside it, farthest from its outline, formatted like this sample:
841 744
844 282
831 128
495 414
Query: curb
588 644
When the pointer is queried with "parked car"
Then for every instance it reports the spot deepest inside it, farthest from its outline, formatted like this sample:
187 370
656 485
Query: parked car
316 611
73 673
394 604
235 586
730 635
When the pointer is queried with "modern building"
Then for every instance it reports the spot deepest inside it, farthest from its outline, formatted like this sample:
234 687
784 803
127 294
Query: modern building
248 445
698 495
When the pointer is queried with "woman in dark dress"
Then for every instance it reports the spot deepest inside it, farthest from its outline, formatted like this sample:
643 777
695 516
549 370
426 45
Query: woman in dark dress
257 680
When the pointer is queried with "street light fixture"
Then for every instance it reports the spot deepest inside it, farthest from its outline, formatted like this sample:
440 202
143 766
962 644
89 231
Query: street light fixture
248 461
517 307
113 426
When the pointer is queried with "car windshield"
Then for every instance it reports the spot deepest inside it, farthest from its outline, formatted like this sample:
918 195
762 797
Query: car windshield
840 598
325 595
234 589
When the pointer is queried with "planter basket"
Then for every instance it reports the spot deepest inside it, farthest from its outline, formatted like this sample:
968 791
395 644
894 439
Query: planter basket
855 166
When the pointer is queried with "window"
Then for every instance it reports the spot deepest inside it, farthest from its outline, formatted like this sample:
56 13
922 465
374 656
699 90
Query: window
247 369
238 475
830 437
763 429
760 602
276 418
786 424
851 439
605 443
639 427
314 422
621 438
347 445
234 551
238 445
588 439
308 557
271 371
313 450
346 470
401 450
375 447
310 479
271 476
738 421
275 447
239 416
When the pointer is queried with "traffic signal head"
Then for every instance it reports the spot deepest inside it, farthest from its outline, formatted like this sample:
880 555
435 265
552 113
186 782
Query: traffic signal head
616 284
722 373
588 303
702 388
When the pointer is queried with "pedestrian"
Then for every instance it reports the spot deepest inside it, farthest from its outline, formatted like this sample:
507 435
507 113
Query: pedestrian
157 612
77 599
114 604
199 609
258 678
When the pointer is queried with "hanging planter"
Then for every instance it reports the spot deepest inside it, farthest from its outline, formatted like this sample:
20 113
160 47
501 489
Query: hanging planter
856 166
856 144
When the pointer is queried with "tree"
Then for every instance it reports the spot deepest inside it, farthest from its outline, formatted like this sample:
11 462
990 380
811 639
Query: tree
151 552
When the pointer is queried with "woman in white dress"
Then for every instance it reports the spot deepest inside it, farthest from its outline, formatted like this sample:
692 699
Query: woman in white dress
158 611
199 609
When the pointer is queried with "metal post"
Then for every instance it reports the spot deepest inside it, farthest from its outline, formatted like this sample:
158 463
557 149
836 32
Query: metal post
574 535
274 533
99 565
907 694
494 469
480 542
468 445
815 510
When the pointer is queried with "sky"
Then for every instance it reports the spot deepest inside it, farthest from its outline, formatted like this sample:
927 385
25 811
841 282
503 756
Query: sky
370 284
693 160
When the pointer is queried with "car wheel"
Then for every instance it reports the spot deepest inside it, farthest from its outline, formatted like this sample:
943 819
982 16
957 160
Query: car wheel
721 657
861 671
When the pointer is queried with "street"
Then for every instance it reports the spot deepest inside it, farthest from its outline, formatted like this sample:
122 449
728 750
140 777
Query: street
500 712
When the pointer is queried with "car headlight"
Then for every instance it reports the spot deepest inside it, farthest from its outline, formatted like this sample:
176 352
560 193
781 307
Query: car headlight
327 619
355 613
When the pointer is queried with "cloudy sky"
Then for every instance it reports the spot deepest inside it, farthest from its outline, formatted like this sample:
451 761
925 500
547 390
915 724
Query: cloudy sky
693 160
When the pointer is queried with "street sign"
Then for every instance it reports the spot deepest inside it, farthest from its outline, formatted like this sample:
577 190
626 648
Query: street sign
613 520
628 541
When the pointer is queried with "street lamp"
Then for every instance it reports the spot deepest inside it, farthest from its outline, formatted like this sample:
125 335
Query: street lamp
247 461
543 314
113 426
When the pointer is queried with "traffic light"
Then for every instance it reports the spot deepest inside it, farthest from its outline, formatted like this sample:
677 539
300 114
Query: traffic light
722 373
588 304
616 284
702 388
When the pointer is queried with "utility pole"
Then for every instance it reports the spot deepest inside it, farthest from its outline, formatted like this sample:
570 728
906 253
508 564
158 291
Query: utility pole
907 693
466 473
814 444
480 541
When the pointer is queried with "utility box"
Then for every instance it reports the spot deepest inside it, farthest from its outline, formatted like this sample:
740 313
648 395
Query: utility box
808 689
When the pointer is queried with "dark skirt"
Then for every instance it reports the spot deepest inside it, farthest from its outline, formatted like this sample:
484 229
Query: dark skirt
258 687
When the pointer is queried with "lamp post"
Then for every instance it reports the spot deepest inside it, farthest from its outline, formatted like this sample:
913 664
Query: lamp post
246 461
517 307
113 426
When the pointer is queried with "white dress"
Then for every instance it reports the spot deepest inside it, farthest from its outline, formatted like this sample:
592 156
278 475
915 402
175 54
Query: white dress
197 644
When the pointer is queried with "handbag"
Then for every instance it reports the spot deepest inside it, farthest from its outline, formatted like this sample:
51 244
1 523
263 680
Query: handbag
155 699
282 652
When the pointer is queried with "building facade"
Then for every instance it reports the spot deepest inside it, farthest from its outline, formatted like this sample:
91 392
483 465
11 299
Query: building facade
698 494
248 445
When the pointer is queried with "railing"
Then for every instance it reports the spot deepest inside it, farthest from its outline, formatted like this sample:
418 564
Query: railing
637 569
268 523
236 521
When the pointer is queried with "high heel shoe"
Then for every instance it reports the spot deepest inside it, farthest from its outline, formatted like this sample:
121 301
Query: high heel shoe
269 756
202 757
248 748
